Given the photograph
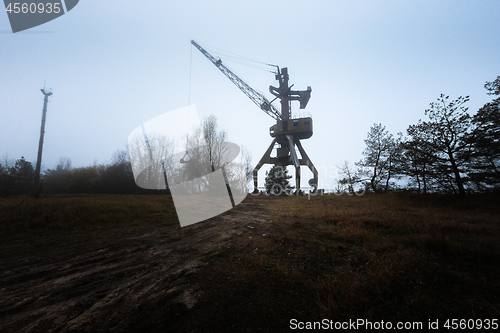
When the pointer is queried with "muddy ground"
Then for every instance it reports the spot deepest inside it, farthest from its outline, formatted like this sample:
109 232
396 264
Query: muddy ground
144 283
102 263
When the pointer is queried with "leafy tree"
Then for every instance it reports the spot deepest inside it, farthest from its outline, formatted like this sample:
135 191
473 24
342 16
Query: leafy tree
416 161
276 180
493 87
485 156
6 180
444 142
115 177
57 182
23 174
23 169
118 176
87 179
380 156
393 162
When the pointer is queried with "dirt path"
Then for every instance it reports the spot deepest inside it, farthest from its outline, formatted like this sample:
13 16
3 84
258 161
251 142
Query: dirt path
102 288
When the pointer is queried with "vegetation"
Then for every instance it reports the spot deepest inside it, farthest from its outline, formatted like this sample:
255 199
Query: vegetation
206 151
451 152
390 257
277 181
377 257
444 142
485 141
380 154
29 226
16 177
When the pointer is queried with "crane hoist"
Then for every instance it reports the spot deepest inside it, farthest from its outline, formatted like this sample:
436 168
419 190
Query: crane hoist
288 131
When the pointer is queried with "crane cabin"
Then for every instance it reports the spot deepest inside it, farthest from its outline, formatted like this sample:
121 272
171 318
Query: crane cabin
300 128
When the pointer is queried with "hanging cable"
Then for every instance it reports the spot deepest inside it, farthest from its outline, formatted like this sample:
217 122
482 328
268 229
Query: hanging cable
252 66
227 54
235 55
190 65
186 156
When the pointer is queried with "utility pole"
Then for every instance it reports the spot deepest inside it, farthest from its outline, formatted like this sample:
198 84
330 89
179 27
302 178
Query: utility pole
46 93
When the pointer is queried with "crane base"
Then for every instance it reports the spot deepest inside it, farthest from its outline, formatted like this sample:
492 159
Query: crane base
290 158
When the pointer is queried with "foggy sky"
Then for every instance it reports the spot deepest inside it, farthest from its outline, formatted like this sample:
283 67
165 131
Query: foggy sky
115 64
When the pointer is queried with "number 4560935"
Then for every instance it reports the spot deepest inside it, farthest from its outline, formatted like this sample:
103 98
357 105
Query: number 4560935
33 8
471 324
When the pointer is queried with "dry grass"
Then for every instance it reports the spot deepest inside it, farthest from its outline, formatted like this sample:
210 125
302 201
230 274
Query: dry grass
28 225
377 257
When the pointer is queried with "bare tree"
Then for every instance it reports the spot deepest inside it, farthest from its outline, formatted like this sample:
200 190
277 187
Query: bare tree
349 177
64 164
153 160
208 151
215 142
247 162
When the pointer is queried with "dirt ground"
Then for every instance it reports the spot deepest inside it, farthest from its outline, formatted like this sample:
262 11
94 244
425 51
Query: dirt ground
111 287
123 263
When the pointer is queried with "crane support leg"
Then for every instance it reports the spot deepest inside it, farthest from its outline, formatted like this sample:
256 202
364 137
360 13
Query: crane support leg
293 154
295 161
305 160
266 159
297 180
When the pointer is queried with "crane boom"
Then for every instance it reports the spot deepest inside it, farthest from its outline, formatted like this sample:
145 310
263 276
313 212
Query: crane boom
256 97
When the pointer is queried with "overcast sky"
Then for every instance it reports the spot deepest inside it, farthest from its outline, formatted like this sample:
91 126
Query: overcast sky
115 64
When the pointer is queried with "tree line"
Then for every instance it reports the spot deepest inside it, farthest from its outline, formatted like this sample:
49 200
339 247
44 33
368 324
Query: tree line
205 152
449 152
116 177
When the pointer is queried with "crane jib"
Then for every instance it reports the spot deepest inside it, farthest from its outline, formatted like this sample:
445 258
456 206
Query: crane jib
260 100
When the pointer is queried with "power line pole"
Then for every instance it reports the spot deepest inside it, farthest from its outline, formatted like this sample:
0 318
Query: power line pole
46 93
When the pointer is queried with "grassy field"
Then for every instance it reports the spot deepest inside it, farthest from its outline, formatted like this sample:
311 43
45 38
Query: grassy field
29 226
391 257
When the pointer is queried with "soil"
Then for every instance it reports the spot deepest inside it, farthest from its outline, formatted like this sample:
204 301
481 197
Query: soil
112 287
